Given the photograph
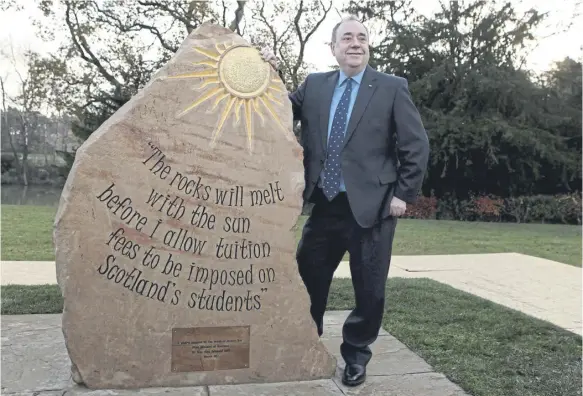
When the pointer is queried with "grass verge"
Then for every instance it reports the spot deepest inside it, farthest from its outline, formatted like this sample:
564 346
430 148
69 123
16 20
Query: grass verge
487 349
22 225
25 300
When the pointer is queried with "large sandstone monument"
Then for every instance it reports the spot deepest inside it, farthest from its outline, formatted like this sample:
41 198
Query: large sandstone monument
174 238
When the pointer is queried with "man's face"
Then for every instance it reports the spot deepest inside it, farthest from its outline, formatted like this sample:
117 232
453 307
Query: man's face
351 46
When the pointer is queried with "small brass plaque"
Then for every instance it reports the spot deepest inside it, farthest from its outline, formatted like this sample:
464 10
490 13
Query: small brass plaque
210 348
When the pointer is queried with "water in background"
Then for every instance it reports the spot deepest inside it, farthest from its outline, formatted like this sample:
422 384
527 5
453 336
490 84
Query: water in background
31 195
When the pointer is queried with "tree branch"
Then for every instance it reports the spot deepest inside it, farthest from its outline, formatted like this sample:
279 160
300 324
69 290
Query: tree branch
190 14
234 26
303 41
276 40
185 19
84 50
157 33
224 13
124 28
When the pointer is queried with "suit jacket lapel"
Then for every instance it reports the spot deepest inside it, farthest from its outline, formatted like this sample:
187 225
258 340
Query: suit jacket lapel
327 92
365 92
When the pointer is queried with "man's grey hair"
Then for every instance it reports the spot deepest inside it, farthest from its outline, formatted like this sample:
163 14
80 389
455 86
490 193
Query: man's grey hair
345 19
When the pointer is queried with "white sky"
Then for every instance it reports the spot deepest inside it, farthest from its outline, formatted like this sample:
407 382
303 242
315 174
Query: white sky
16 27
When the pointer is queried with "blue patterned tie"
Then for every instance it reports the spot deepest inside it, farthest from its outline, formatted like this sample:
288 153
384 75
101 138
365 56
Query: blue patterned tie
332 168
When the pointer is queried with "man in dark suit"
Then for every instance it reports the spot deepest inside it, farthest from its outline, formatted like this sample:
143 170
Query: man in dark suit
365 156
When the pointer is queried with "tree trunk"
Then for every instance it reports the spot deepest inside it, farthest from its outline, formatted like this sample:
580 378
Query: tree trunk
24 134
25 166
14 152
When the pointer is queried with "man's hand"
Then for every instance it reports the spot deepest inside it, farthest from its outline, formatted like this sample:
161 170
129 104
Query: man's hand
398 207
268 56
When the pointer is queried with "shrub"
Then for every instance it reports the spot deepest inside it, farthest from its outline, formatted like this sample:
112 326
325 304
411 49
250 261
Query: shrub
485 208
570 208
516 209
451 208
423 208
565 209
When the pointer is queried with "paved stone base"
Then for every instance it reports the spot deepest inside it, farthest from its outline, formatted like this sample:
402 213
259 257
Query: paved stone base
35 362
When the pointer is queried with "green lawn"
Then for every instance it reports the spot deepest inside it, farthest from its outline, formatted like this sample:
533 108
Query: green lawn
27 233
557 242
551 241
22 225
487 349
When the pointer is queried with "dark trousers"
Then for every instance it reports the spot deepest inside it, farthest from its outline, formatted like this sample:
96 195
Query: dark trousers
330 231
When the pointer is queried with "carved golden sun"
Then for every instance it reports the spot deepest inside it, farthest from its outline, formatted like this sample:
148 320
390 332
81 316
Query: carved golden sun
238 74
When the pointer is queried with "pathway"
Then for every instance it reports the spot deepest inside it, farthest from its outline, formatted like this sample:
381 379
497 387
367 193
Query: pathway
542 288
35 362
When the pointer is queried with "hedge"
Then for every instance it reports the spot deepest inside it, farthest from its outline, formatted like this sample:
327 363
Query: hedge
558 209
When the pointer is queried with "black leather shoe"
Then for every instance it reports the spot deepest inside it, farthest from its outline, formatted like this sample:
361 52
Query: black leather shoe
354 375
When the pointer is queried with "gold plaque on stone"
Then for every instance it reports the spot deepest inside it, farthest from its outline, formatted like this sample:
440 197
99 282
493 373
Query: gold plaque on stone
210 348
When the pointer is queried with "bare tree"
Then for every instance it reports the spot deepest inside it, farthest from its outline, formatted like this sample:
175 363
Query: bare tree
113 48
286 27
5 126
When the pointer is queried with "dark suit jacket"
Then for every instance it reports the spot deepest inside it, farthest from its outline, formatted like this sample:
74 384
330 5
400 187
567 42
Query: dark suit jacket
386 148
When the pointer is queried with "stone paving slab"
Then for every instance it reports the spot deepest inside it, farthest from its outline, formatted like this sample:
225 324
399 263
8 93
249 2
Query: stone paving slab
305 388
424 384
390 356
76 390
35 363
34 357
41 393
